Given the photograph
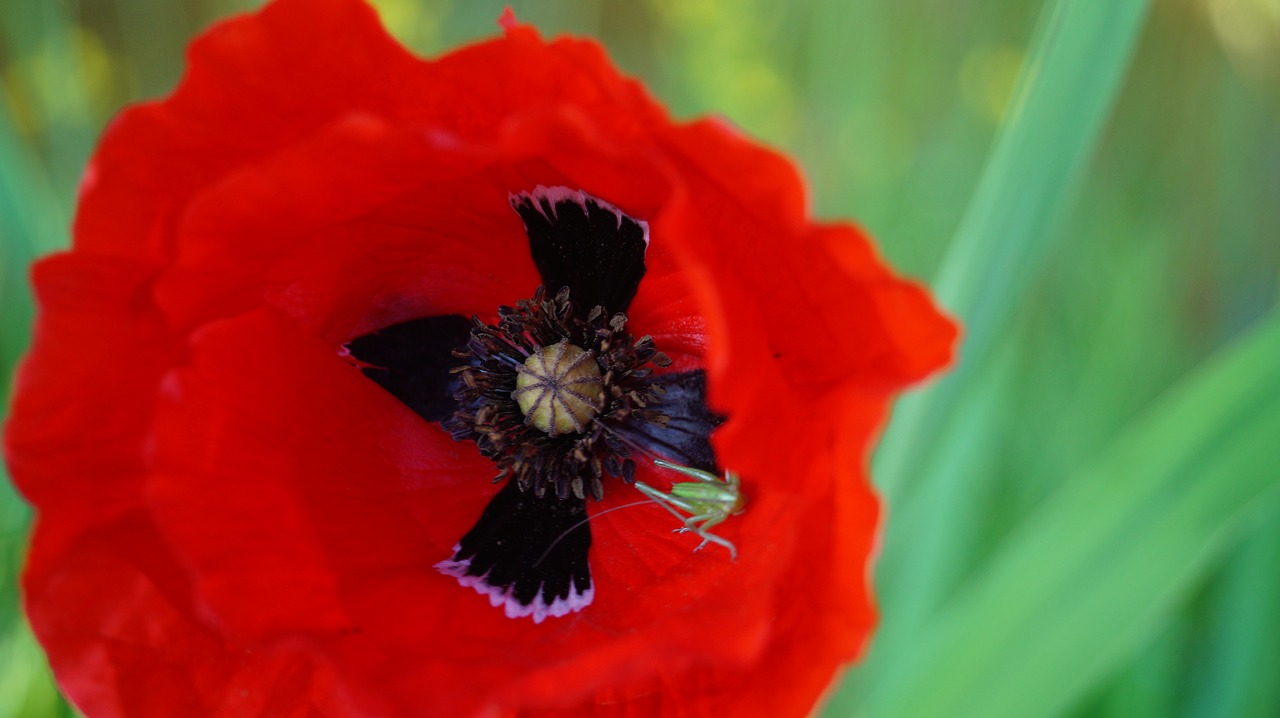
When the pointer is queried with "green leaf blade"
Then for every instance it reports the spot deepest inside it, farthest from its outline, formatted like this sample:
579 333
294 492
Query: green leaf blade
1095 569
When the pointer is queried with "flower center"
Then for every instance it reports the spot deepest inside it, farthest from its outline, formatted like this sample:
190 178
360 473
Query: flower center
557 398
559 389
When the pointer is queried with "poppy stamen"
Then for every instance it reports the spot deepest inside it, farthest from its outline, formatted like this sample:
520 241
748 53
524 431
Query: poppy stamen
546 394
561 396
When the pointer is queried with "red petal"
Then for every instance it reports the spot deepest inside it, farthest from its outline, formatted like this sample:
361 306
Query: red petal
508 20
230 110
357 227
332 523
70 436
299 193
280 464
113 610
846 316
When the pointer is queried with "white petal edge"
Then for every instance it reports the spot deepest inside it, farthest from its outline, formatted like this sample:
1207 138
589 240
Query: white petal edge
502 596
554 195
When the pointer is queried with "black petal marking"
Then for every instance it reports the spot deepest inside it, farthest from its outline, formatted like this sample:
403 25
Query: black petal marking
527 554
412 361
585 244
685 438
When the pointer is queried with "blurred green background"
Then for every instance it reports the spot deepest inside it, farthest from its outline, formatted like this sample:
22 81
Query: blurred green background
1085 515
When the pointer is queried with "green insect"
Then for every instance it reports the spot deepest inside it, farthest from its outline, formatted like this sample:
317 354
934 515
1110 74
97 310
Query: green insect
708 499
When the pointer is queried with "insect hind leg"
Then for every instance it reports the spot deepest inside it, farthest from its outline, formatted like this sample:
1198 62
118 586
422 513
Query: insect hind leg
708 537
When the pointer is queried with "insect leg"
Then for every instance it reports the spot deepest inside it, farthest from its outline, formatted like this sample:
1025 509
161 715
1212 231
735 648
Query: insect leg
689 471
712 538
700 524
708 501
666 501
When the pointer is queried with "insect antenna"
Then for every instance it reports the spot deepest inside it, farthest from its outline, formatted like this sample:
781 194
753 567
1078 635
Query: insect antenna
574 527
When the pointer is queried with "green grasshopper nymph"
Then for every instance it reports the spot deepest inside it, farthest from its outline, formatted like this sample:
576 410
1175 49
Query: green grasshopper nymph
708 499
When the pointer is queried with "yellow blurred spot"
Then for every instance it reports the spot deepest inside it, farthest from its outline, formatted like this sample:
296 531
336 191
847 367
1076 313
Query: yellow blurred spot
415 23
723 53
1249 31
50 86
22 113
987 76
97 67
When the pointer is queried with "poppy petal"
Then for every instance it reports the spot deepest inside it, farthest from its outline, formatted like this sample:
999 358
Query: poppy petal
685 438
255 523
137 648
361 222
412 360
528 554
355 498
70 438
585 244
229 109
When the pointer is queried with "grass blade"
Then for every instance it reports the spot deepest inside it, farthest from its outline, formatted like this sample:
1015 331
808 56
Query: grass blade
1243 656
1064 95
1069 84
1093 572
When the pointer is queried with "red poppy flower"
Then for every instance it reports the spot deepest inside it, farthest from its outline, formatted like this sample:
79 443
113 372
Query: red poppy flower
326 292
